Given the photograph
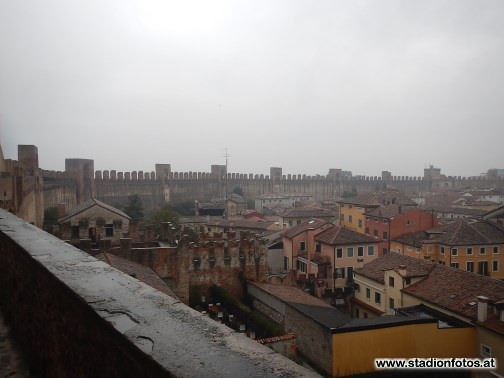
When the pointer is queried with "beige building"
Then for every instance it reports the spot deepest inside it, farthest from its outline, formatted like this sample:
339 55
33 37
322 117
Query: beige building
400 284
94 220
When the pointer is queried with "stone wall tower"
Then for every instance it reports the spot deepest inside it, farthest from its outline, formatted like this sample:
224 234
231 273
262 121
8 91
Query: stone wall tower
82 171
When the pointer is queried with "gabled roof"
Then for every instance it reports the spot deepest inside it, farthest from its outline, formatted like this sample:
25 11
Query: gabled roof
456 290
375 270
381 198
414 239
454 210
461 232
308 212
389 211
338 235
311 224
140 272
87 205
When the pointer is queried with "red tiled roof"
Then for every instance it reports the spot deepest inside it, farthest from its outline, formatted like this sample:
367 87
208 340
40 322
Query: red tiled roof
414 239
456 290
311 224
375 269
389 211
290 294
140 272
461 232
308 212
338 235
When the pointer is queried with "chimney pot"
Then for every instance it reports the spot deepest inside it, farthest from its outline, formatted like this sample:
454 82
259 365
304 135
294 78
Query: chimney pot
402 270
482 308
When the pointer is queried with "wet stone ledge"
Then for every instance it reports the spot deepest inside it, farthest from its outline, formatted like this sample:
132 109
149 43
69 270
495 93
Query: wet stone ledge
77 316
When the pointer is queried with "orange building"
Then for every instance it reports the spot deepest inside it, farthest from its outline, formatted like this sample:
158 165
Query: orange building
476 247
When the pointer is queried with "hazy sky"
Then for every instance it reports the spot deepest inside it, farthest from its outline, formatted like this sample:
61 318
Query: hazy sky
305 85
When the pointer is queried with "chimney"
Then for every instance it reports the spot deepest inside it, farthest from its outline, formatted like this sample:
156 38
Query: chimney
360 263
482 308
402 270
61 210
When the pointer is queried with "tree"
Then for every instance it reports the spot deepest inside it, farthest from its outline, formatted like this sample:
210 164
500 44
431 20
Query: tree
135 207
238 190
51 215
163 215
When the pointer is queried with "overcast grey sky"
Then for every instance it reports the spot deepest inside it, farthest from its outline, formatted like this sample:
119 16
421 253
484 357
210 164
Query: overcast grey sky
305 85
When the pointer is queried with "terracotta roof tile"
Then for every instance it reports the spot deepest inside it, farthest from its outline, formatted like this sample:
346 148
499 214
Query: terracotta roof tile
311 224
461 232
338 235
375 269
389 211
456 290
308 212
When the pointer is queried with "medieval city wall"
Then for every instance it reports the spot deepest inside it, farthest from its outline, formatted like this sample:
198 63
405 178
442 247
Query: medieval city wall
114 187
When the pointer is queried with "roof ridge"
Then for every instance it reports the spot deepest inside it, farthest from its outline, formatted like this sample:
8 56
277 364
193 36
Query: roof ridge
456 231
337 233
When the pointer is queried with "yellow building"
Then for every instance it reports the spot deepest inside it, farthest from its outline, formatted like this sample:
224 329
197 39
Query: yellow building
403 283
352 210
476 247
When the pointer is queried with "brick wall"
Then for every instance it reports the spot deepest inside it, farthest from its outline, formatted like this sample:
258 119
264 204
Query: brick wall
313 340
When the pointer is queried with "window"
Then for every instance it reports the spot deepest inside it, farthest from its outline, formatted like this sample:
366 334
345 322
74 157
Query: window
368 293
469 251
360 222
391 303
370 250
349 251
365 315
408 281
339 273
350 274
318 247
391 281
109 230
302 246
442 263
408 222
385 235
75 232
442 250
290 223
286 263
485 350
302 266
357 313
454 252
482 251
418 250
342 217
454 265
367 230
375 232
377 297
349 219
495 249
409 247
495 266
483 268
470 266
360 251
339 253
385 221
376 220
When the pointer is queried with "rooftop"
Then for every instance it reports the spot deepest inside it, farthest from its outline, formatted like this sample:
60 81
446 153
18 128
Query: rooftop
338 235
389 211
311 224
375 269
88 204
308 212
456 290
462 232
